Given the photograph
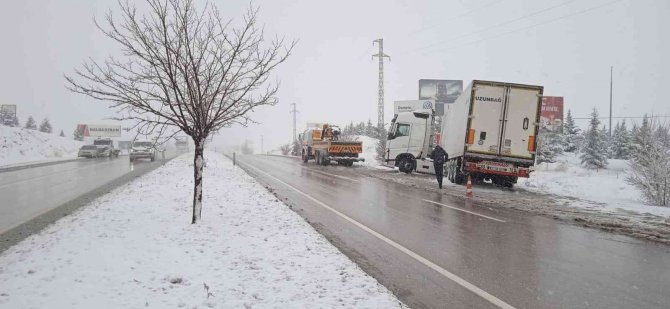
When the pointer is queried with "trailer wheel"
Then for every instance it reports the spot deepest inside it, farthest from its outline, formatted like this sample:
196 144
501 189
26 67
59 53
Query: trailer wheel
305 157
324 159
317 158
454 173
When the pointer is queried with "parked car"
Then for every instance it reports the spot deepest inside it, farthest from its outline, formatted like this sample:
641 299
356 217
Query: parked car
89 151
142 149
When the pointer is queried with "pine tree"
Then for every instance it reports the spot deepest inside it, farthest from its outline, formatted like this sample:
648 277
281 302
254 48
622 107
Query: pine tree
550 144
296 150
621 141
650 163
45 126
78 135
62 134
571 133
31 124
594 154
381 144
605 142
369 129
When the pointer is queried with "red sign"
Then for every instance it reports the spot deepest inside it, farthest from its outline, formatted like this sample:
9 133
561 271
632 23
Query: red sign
552 111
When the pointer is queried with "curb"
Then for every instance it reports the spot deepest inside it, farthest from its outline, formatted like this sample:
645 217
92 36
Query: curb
33 165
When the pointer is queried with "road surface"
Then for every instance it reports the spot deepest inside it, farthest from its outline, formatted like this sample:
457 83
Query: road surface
434 251
27 193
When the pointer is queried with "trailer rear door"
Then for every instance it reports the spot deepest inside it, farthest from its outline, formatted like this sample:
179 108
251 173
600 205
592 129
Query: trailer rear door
521 119
484 129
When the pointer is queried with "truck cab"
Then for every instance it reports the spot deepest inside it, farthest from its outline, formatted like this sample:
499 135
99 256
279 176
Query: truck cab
408 141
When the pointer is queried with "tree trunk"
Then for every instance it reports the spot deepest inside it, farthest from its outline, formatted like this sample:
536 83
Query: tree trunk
198 162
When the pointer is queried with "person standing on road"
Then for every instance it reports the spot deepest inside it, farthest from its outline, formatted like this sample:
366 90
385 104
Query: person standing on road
439 156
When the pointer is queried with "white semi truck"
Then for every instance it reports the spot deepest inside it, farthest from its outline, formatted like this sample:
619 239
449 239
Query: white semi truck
489 132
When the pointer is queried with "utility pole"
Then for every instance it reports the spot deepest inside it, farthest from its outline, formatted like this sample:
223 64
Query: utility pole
611 73
294 112
380 94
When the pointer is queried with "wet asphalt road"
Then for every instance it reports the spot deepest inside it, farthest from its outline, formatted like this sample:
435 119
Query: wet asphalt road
27 193
482 258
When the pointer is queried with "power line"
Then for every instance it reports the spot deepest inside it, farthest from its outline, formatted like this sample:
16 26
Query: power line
489 4
532 26
495 26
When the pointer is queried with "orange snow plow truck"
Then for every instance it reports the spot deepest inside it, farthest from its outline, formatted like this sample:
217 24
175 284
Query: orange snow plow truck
322 143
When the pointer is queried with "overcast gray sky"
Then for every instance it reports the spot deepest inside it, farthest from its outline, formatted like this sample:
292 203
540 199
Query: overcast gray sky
568 48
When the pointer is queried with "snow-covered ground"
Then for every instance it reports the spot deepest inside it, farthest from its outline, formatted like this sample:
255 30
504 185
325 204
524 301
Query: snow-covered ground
19 145
607 187
369 150
135 247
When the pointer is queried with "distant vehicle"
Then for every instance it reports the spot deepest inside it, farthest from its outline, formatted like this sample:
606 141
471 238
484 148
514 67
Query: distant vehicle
181 144
323 145
142 150
89 151
106 147
488 132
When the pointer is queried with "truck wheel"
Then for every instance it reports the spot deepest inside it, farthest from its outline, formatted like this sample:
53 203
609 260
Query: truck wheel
406 165
324 159
153 158
305 157
318 157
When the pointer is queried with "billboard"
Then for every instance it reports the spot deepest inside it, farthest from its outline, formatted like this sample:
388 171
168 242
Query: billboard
551 115
8 115
440 90
99 130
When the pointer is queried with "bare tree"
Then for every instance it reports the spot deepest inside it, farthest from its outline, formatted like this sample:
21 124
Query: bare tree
185 70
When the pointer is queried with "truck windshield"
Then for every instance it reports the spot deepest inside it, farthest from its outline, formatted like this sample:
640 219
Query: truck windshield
142 144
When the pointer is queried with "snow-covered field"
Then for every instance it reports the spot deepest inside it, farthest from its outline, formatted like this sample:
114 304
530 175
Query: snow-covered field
605 187
135 247
19 145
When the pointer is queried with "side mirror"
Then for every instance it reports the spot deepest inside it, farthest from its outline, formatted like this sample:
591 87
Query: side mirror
390 136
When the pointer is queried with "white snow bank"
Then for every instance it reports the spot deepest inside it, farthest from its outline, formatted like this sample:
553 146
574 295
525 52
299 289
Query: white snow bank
606 187
19 145
135 247
369 150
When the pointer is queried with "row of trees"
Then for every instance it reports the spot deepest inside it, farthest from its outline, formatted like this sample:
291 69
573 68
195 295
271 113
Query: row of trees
646 146
45 125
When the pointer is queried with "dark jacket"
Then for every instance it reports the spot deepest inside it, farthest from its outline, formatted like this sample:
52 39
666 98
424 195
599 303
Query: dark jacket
438 155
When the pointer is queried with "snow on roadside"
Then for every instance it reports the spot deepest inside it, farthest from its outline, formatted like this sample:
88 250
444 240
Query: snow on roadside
18 145
134 247
605 187
369 150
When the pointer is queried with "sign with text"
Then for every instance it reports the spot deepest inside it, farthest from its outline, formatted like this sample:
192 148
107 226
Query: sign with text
412 105
551 115
100 130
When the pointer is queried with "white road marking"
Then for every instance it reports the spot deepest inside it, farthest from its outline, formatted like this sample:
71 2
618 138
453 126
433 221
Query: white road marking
462 282
56 172
463 210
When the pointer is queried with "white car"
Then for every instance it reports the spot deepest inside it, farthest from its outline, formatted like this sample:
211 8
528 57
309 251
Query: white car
142 150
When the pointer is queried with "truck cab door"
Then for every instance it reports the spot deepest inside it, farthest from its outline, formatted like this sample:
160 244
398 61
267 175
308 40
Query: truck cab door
398 139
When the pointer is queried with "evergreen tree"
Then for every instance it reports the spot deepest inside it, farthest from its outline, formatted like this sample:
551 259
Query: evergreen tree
571 133
381 144
78 135
594 152
31 124
650 163
550 144
45 126
296 149
605 142
369 129
360 129
621 141
62 134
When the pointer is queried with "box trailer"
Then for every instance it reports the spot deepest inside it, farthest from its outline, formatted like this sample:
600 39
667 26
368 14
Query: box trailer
489 132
